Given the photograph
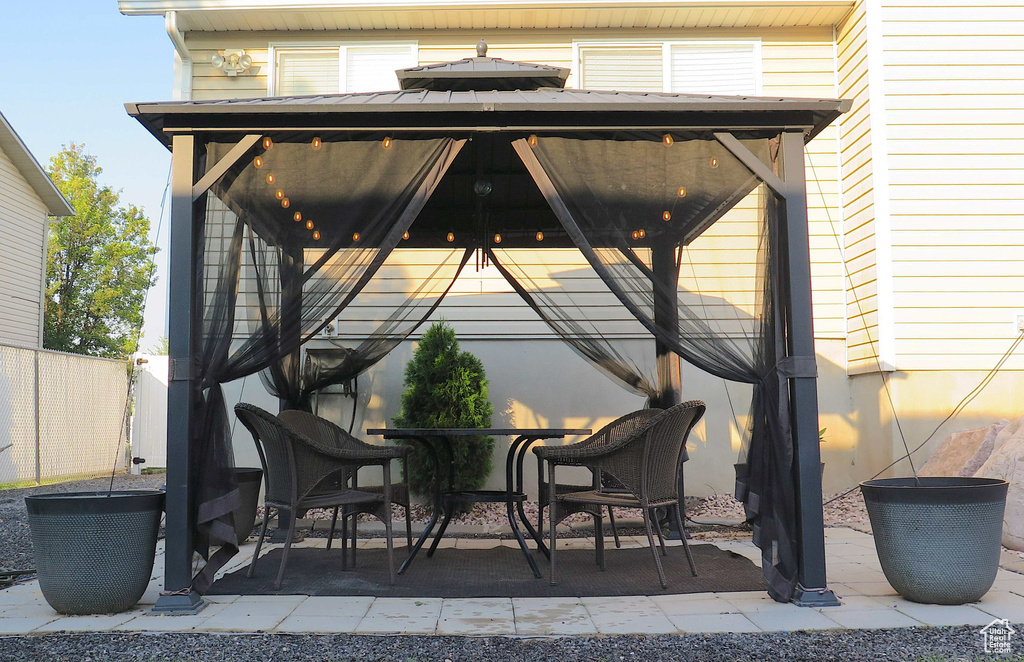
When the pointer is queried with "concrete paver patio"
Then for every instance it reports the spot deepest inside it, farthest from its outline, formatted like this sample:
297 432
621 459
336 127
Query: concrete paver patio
868 602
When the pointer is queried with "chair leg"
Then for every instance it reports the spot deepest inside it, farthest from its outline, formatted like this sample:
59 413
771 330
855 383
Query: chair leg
408 528
355 535
661 536
259 543
615 529
388 533
334 522
344 540
682 536
551 522
654 550
599 538
289 536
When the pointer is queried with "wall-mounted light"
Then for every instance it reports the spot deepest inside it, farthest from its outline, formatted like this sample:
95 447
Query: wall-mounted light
231 63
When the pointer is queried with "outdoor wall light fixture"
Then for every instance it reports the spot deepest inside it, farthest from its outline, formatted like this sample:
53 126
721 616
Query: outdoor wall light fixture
482 187
231 63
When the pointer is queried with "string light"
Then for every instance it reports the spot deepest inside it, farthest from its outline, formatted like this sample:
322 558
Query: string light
636 235
355 236
451 237
497 238
540 236
286 203
270 178
668 140
682 192
642 233
279 194
387 142
267 143
714 163
405 235
309 225
317 143
533 141
316 235
258 162
666 215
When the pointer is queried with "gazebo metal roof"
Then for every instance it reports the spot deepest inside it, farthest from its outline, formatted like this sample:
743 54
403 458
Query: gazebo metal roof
482 73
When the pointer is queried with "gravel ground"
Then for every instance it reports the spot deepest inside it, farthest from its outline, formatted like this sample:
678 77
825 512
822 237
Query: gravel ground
16 547
925 644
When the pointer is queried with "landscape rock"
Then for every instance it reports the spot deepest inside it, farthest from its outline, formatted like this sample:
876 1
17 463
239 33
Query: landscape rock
1007 463
955 452
985 450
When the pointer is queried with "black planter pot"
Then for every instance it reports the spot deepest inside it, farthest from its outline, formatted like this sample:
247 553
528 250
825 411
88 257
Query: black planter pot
249 483
94 550
938 540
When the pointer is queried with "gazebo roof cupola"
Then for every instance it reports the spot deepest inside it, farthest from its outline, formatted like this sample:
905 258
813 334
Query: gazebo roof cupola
482 73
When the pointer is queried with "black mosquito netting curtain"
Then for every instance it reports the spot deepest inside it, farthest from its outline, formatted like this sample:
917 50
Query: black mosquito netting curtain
650 216
293 232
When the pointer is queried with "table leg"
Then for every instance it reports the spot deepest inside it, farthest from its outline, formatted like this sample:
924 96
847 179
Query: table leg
449 510
534 533
437 504
509 462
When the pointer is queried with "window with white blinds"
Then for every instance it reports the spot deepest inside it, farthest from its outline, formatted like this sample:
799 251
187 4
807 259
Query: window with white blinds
330 70
694 68
624 69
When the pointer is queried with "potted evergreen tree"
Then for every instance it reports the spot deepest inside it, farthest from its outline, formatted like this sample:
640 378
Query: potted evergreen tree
447 388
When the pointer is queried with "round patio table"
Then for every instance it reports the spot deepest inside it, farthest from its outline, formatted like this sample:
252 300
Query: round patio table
513 495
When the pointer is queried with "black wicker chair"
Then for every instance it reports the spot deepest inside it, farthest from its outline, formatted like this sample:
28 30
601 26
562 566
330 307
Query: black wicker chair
302 473
643 452
323 430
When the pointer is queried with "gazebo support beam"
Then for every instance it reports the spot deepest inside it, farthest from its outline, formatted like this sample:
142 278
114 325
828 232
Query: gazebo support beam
811 590
222 166
666 316
179 598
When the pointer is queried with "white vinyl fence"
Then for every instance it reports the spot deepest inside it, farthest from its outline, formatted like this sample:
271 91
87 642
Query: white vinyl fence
62 415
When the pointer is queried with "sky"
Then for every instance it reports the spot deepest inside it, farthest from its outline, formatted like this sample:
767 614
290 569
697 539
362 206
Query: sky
67 67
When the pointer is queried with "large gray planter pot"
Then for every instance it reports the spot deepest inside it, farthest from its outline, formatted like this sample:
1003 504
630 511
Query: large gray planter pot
94 550
938 540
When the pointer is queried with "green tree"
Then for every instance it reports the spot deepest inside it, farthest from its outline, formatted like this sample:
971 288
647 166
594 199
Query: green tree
99 264
446 388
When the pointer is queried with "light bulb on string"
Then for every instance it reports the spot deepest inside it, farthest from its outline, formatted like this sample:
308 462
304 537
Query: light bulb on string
258 162
387 142
267 143
666 215
451 237
317 143
297 216
270 178
532 141
540 236
681 192
309 225
405 235
279 194
316 235
636 235
714 163
642 233
667 139
286 203
355 236
497 238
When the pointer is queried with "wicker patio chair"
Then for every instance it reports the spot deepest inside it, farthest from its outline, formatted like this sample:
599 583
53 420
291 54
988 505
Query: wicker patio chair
644 454
301 474
325 431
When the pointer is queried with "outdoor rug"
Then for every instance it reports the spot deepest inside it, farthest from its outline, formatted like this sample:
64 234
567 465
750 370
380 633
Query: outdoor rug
497 572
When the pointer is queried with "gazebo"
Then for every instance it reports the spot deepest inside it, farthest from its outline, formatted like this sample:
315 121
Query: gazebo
301 200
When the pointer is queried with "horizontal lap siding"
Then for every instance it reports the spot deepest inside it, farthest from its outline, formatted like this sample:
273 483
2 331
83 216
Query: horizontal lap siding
858 194
796 62
954 84
23 224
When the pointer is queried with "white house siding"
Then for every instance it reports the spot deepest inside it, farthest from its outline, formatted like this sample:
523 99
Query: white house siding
23 225
954 94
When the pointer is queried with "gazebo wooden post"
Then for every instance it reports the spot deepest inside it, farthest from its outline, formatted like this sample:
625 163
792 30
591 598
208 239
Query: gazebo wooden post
182 299
811 587
666 316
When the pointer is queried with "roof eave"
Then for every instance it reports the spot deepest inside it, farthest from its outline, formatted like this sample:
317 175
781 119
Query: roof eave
32 171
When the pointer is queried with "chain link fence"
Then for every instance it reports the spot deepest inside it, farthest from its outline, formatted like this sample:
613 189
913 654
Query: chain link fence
61 414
